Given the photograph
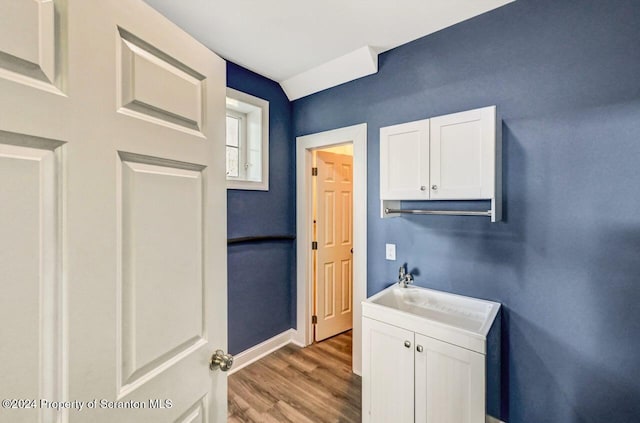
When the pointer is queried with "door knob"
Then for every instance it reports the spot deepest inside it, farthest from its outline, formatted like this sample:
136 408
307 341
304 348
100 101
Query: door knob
407 344
220 360
423 188
434 187
419 348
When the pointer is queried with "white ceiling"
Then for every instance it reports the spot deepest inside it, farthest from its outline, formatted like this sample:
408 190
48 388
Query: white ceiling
281 39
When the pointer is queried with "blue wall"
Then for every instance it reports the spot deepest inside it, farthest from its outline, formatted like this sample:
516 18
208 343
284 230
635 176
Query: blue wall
565 263
261 275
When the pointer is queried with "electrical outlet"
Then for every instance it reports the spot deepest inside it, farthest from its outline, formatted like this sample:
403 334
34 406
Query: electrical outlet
391 251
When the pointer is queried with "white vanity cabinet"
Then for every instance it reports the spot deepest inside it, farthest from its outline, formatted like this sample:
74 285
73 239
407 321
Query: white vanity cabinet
452 157
388 381
408 377
449 383
429 357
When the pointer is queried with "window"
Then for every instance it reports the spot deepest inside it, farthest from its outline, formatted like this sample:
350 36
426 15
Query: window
247 141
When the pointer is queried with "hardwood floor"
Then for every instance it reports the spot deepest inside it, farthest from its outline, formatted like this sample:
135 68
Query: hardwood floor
298 385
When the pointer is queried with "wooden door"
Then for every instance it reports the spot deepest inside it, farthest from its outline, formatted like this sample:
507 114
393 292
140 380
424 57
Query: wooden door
387 373
113 217
404 161
463 152
334 258
450 383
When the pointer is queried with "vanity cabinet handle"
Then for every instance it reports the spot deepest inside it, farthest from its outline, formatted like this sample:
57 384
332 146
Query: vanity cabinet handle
407 344
419 348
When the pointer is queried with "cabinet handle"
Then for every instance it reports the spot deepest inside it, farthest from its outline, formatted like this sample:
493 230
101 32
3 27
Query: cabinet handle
419 348
423 188
434 187
407 344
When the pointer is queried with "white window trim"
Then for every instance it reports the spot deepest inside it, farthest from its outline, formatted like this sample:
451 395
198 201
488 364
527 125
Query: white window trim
242 144
263 185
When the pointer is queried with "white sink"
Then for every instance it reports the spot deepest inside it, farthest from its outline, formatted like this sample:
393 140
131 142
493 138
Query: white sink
459 320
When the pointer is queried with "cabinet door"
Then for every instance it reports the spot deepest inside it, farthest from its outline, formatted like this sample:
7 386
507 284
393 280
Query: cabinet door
404 161
463 151
450 383
387 373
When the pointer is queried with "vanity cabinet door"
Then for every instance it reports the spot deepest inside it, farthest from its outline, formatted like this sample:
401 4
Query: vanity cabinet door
387 373
404 161
449 383
463 155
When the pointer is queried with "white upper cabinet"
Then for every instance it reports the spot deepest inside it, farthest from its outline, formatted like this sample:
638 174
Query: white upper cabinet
463 155
404 161
451 157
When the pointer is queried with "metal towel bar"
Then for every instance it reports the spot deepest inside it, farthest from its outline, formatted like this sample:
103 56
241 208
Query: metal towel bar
441 212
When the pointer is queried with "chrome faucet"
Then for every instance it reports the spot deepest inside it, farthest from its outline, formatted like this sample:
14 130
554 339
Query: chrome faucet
404 278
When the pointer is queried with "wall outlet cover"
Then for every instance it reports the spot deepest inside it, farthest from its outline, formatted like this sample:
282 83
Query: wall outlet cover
391 251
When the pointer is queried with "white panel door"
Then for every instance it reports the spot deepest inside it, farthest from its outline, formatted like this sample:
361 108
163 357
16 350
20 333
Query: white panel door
113 217
404 161
334 211
463 152
30 275
387 373
450 383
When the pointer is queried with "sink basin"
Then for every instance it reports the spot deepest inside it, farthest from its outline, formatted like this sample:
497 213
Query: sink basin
457 319
454 310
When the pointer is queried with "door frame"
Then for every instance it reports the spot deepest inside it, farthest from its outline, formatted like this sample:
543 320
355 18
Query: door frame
356 134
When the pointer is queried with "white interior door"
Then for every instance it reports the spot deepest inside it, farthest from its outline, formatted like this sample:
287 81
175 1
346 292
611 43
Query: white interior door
334 277
113 217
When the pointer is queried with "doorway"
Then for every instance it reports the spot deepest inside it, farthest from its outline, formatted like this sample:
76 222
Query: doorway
356 136
332 220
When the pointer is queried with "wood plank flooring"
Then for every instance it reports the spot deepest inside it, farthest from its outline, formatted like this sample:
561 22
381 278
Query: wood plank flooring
298 385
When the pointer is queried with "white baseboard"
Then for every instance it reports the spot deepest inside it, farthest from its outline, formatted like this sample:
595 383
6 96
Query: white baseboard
255 353
297 339
491 419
